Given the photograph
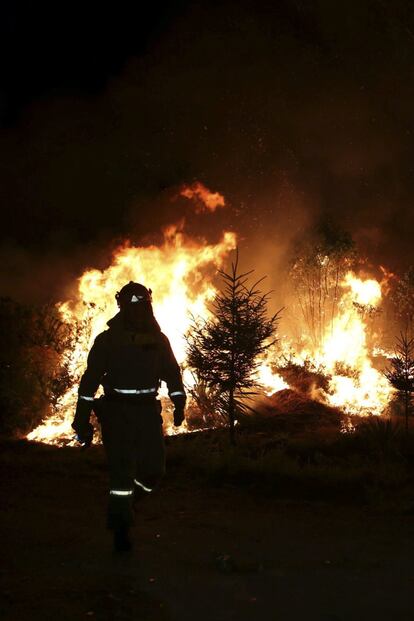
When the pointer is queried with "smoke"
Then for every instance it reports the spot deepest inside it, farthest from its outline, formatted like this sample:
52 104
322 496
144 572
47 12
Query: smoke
290 115
31 276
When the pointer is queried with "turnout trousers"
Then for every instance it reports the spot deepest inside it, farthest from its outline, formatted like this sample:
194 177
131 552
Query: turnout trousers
134 444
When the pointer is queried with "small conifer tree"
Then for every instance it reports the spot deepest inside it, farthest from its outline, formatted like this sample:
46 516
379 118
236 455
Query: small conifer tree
224 350
401 372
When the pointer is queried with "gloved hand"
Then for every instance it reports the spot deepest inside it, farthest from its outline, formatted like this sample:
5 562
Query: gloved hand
84 434
81 424
178 416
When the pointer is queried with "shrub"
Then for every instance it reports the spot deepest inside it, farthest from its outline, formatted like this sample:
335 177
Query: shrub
33 372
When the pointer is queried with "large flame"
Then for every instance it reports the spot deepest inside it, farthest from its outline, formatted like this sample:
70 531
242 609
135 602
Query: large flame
356 385
179 272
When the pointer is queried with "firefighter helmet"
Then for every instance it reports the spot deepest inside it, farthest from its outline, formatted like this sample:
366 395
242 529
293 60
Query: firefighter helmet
133 292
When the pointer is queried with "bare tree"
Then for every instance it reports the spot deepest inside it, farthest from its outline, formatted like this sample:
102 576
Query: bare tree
401 372
318 267
223 351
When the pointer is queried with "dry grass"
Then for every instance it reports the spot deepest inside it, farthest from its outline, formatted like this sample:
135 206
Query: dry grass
303 454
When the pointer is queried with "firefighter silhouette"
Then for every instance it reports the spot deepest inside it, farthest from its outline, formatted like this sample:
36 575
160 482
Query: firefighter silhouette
129 359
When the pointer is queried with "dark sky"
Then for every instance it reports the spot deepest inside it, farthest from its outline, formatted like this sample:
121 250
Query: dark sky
294 110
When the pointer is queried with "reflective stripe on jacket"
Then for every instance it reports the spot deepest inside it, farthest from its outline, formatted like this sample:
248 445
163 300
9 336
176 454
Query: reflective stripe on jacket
127 362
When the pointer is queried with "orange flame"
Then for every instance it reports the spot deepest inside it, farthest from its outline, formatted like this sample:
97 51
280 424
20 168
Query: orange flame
205 199
355 385
180 274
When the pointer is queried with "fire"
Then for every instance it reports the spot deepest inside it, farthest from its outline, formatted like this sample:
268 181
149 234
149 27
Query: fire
180 274
344 354
363 291
370 393
206 199
272 382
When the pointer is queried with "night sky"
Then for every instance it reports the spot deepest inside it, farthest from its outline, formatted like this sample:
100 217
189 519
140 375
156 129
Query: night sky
296 111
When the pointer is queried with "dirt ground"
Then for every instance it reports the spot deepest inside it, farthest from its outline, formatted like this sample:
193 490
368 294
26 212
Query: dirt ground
217 554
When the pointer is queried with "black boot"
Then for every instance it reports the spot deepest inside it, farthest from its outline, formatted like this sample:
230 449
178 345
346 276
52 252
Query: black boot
122 539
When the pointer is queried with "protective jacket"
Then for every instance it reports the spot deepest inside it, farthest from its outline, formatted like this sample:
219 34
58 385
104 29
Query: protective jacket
130 365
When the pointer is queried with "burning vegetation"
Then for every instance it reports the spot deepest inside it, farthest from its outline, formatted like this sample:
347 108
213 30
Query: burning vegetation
330 342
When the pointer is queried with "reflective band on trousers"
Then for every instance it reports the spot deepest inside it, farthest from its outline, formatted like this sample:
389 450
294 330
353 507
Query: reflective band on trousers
143 391
176 393
146 489
121 492
86 398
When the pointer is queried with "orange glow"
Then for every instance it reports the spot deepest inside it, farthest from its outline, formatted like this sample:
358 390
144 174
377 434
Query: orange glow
180 274
208 200
359 388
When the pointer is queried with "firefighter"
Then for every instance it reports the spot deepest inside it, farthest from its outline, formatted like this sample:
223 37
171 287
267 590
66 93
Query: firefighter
129 359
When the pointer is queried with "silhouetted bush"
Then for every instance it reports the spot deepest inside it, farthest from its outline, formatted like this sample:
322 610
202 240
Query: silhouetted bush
33 371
